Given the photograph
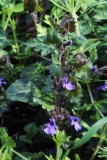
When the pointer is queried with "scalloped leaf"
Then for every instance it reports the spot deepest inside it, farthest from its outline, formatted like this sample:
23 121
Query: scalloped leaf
55 70
44 104
31 128
54 37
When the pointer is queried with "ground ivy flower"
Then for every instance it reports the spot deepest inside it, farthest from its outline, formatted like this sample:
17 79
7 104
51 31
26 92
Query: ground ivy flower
67 43
2 81
95 69
103 87
67 84
74 122
50 127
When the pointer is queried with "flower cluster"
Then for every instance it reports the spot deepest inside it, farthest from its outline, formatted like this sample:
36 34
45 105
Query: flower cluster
103 87
2 81
67 84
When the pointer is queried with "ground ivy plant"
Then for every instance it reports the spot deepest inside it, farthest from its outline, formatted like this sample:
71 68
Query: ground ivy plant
66 86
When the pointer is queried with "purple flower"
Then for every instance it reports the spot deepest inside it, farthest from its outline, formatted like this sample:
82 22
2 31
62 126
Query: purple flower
74 122
67 84
68 43
50 127
103 87
1 81
95 69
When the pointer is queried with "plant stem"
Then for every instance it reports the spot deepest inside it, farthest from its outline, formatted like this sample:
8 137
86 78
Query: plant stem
13 27
76 21
77 28
103 136
92 101
57 153
19 154
36 54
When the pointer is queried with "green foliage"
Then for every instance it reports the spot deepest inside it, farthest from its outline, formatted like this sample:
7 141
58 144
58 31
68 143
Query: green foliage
73 43
18 8
101 13
20 90
31 130
31 156
4 41
39 45
54 37
3 53
6 140
55 70
46 100
90 132
103 152
3 3
60 138
7 144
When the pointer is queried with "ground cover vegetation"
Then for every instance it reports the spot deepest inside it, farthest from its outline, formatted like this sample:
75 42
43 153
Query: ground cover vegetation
53 80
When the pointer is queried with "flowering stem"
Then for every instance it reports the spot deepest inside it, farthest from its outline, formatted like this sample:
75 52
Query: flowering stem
58 112
92 101
19 154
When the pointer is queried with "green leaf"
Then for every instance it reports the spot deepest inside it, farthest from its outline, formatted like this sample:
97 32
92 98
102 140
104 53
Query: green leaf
49 158
18 8
89 44
77 157
38 156
67 158
48 86
45 101
78 4
3 53
20 90
83 25
6 140
55 59
50 21
39 45
101 13
41 30
93 55
31 156
4 109
58 5
24 138
31 128
90 132
55 70
54 37
3 39
66 154
4 2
